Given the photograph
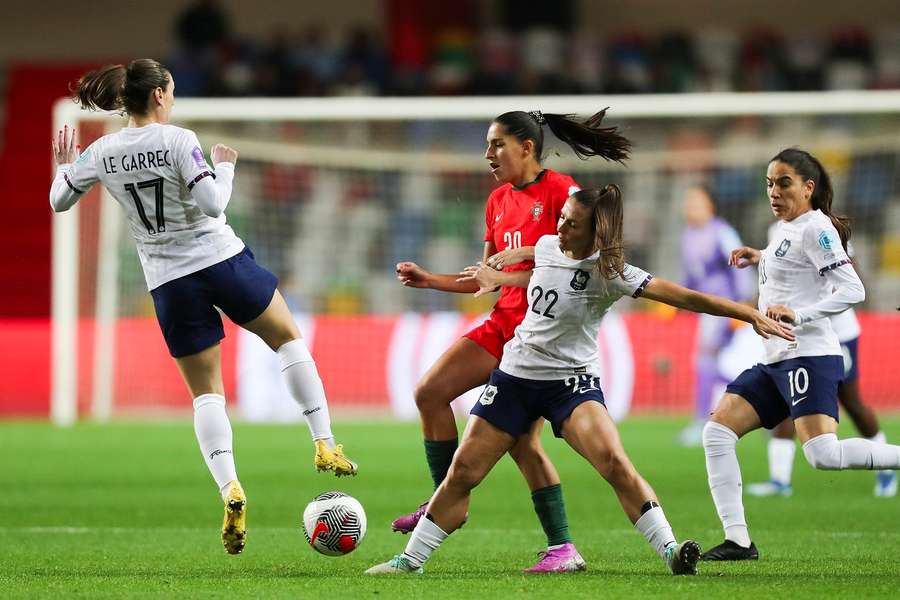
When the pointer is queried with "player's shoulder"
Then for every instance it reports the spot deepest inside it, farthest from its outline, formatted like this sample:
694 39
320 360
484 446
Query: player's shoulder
818 228
499 192
561 181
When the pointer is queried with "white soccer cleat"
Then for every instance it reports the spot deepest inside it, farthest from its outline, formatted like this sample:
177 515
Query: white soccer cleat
885 484
766 489
396 566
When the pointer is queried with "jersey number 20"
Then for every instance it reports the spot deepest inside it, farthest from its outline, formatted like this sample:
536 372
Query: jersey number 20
157 185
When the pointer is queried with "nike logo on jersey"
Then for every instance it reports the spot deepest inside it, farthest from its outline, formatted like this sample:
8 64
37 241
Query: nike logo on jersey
498 217
797 401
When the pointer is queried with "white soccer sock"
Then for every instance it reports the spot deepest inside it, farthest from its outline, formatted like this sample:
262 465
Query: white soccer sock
214 436
424 540
655 527
781 459
724 474
879 438
827 452
305 386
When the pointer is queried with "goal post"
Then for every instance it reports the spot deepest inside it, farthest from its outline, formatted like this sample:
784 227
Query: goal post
408 154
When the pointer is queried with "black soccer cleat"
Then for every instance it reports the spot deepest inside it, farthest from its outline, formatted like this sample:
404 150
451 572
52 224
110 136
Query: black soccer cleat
728 550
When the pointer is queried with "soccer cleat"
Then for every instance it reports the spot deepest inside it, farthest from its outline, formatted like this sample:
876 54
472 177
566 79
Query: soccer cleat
333 459
564 559
407 523
692 435
397 565
729 550
682 558
885 484
765 489
234 527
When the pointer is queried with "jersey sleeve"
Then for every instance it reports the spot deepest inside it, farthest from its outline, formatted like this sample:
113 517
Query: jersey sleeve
822 245
489 218
632 282
564 186
74 180
190 161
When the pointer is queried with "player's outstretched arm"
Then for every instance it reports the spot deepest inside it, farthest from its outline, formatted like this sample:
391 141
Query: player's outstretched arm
412 275
675 295
64 193
744 257
508 257
490 280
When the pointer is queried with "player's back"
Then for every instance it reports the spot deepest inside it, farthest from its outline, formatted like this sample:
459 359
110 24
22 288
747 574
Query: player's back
150 171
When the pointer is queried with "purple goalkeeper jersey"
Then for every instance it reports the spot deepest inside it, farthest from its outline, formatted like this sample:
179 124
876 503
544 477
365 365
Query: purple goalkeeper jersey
704 256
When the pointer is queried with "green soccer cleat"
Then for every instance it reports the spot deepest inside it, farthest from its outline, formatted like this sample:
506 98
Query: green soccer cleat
234 527
397 565
682 558
333 459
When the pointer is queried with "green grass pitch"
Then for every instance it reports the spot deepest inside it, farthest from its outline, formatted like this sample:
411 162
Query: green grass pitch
129 510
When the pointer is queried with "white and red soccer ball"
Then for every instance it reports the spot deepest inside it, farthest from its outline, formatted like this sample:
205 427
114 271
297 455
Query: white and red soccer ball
334 523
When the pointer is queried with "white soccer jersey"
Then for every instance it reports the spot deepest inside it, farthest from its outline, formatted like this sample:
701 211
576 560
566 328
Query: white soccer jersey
800 268
846 325
566 301
150 171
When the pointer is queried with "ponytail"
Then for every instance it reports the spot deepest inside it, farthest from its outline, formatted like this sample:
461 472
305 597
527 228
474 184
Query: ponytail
586 138
120 88
809 167
606 206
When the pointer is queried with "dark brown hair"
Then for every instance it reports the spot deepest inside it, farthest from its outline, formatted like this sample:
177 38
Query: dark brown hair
121 88
586 138
605 205
809 168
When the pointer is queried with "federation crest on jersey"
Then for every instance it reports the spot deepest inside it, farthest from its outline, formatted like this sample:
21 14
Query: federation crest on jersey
579 280
783 247
536 211
488 395
825 240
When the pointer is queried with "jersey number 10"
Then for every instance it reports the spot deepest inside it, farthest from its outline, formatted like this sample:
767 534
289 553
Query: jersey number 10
157 185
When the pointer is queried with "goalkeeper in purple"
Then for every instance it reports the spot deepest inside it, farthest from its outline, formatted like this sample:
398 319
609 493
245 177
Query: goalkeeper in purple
549 370
706 245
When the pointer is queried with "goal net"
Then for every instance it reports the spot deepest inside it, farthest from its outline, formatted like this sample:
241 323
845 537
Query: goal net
331 193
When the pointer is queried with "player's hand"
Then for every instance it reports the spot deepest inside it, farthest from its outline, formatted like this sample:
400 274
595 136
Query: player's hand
743 257
483 275
222 153
65 150
765 327
412 275
508 257
781 313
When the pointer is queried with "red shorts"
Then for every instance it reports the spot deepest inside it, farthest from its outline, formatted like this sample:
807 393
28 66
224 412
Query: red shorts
497 330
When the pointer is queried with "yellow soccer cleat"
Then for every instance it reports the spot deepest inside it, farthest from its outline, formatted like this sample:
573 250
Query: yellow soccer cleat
234 527
333 459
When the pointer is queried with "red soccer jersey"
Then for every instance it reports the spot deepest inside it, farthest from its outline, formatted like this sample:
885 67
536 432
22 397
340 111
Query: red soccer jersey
519 216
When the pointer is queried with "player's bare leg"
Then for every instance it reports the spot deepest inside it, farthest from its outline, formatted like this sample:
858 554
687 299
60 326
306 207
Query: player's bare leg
202 372
276 327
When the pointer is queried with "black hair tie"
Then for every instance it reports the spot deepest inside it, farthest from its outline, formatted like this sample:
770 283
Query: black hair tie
538 117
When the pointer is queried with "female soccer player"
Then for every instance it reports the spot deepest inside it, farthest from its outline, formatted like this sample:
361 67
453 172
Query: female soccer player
549 370
805 276
518 213
706 245
192 261
781 447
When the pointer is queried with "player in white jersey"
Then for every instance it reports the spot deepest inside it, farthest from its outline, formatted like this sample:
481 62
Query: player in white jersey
192 261
805 276
781 447
549 370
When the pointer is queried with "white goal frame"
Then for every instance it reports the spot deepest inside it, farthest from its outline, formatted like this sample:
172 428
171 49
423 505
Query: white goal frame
65 243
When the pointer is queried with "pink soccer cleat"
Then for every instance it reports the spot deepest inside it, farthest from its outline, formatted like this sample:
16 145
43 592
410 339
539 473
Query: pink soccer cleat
407 523
564 559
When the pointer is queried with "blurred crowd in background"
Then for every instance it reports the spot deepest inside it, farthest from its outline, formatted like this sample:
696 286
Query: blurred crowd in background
521 54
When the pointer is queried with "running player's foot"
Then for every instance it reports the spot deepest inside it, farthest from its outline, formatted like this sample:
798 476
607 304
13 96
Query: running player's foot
886 484
333 459
692 435
682 558
234 527
770 488
397 565
563 559
407 523
729 550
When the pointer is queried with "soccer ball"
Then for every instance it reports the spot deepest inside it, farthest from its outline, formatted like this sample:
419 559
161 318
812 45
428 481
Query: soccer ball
334 523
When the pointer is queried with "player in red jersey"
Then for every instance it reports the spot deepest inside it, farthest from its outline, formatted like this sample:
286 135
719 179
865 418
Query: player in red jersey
525 207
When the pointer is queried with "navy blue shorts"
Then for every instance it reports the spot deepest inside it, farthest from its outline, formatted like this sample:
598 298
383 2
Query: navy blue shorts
851 352
512 404
186 307
791 388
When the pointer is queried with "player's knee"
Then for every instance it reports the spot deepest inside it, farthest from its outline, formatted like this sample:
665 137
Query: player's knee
718 438
527 450
428 396
823 452
464 473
